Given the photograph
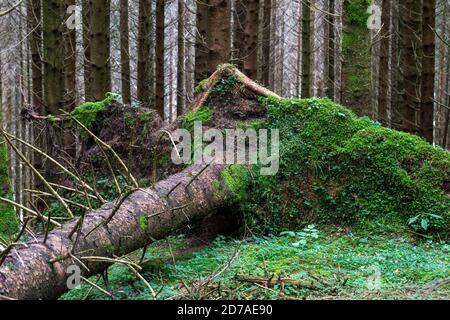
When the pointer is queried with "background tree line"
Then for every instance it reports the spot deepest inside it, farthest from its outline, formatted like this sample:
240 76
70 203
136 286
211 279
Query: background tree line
154 52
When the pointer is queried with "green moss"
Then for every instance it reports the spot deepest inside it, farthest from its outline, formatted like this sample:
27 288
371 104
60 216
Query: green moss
8 221
203 114
199 87
237 179
87 112
338 168
356 12
143 223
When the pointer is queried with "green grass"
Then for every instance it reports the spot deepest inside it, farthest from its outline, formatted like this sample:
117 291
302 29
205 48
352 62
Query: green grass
346 266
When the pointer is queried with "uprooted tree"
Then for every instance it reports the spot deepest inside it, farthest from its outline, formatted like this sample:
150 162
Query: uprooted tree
334 167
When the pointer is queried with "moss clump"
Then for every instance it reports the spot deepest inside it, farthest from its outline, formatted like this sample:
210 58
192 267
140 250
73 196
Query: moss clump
203 114
338 168
237 179
199 87
8 221
143 223
87 112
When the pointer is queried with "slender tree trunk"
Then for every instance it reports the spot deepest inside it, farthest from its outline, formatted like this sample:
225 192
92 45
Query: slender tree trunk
383 71
143 60
100 49
428 70
181 68
395 52
331 49
266 42
53 13
306 49
159 70
338 26
125 52
319 49
213 45
70 62
86 8
35 30
410 30
250 27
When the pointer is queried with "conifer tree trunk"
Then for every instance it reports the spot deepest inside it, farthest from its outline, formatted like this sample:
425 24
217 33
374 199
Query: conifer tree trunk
181 69
319 82
410 31
86 12
35 29
159 55
338 27
306 49
250 26
428 70
125 52
143 59
53 13
266 42
383 71
100 73
213 39
70 62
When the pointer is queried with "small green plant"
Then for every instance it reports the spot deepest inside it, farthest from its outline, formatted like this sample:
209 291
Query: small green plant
308 233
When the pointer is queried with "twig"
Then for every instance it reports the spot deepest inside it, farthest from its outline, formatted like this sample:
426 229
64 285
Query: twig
113 212
34 213
37 173
97 287
5 253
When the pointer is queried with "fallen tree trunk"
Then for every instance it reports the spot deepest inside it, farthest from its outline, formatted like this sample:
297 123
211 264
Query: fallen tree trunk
38 271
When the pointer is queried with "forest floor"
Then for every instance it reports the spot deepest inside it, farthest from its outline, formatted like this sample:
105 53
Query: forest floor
312 264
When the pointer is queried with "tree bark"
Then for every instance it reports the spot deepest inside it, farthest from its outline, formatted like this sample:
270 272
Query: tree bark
70 63
29 272
213 37
428 70
383 71
181 69
35 29
100 73
86 13
143 59
306 49
266 42
159 47
53 56
410 31
320 42
125 52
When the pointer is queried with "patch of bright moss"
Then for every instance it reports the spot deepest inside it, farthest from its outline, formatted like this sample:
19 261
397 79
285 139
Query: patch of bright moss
8 221
236 179
203 114
143 223
87 112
